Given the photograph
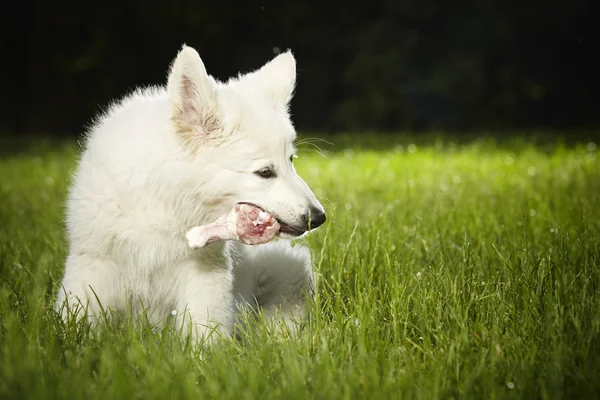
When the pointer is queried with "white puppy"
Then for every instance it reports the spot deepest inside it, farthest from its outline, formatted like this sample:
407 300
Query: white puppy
165 160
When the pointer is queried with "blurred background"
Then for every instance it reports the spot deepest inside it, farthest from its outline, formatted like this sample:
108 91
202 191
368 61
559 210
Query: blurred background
386 66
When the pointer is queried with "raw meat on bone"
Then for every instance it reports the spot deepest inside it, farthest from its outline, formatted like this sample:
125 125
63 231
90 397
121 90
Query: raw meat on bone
245 223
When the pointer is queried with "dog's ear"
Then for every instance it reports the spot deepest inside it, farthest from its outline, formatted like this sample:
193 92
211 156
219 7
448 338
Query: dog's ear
278 78
192 94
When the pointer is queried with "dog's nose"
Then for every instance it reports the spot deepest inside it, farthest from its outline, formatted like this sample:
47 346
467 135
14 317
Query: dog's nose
314 218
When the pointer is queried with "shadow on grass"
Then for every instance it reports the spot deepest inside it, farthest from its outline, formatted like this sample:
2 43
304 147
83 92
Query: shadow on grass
37 145
546 141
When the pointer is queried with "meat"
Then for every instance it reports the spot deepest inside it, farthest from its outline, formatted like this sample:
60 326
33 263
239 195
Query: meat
245 223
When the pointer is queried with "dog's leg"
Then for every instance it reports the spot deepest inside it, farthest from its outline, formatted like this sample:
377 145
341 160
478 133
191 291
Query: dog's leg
204 300
88 280
275 278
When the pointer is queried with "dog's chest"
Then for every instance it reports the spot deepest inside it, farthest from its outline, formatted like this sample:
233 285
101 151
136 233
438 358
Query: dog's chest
153 272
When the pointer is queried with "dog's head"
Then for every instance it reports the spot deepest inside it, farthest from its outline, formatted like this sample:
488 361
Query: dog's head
240 134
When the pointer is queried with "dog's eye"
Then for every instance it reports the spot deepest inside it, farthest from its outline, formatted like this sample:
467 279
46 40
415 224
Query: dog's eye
265 173
292 158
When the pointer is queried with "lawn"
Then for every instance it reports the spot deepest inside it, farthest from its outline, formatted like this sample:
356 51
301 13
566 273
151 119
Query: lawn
447 270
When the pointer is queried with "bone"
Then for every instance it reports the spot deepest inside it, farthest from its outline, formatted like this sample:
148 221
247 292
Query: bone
224 228
244 223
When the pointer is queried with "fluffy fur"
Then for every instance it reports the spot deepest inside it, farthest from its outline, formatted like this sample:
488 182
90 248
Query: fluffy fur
166 159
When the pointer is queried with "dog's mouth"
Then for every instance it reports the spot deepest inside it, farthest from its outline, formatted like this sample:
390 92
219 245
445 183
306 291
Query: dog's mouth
285 229
289 230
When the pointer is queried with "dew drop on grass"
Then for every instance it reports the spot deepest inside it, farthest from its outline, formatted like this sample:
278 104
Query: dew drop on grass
412 148
510 385
509 160
456 179
532 212
591 146
531 171
49 181
348 206
444 187
399 149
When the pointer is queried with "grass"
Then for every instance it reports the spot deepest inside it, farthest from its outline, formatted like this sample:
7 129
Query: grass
447 271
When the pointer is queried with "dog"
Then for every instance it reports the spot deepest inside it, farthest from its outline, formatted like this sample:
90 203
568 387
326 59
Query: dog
165 159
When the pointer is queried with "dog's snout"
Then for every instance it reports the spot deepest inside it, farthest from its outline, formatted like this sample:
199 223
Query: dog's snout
313 218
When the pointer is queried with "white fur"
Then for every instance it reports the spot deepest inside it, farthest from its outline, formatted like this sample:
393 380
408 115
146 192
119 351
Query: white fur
166 159
261 282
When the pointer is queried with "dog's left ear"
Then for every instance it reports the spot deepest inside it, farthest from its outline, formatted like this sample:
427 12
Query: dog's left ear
278 78
193 95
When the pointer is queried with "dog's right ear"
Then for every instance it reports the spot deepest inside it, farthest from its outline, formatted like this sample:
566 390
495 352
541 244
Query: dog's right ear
192 94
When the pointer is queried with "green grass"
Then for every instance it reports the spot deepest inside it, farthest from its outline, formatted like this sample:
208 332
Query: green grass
447 271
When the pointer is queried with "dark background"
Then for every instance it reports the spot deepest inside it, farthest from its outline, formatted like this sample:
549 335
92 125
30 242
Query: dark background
376 65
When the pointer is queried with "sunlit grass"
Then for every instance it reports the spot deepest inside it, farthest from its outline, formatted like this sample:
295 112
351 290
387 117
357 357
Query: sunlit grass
446 270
